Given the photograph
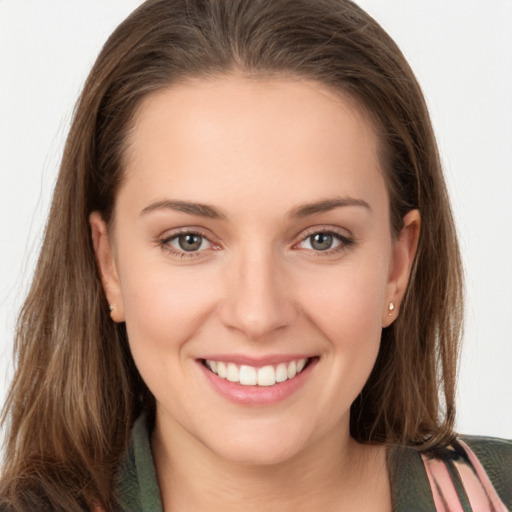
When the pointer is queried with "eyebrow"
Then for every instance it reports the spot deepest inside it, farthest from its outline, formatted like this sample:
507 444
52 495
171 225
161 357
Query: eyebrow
210 212
326 205
201 210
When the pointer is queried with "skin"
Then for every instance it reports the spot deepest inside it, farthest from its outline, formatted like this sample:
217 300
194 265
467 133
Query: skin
256 150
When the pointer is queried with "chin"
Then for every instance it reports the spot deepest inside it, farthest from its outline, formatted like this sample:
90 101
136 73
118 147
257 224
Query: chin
258 455
261 446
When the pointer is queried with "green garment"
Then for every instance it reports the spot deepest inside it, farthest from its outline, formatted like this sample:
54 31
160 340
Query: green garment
138 490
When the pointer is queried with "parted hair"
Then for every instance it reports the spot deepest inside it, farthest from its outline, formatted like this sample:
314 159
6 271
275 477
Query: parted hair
76 391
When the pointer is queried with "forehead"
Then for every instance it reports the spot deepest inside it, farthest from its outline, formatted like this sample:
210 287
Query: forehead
242 136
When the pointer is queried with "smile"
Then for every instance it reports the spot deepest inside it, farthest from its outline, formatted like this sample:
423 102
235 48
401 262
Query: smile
246 375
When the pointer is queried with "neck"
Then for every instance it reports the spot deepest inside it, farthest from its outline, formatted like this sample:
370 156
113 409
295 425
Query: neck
335 473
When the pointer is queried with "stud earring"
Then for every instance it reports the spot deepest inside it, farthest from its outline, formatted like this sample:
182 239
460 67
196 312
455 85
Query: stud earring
391 308
111 307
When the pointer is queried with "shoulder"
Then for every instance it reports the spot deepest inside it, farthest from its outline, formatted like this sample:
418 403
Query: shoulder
491 450
410 484
495 455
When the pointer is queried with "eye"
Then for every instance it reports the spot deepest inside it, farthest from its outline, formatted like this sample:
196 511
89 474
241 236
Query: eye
325 241
186 242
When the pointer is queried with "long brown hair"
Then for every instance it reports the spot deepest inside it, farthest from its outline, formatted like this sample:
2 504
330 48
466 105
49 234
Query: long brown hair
76 391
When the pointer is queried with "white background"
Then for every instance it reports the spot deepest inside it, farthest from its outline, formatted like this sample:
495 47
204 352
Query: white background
461 51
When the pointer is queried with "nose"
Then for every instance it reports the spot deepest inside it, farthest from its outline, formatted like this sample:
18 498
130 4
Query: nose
257 300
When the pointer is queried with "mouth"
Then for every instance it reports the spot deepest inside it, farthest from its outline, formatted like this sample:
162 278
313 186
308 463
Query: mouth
260 376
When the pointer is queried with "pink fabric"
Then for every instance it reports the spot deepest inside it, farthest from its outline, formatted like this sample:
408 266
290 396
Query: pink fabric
480 492
484 482
443 490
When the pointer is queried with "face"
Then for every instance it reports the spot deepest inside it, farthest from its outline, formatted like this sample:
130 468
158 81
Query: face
252 261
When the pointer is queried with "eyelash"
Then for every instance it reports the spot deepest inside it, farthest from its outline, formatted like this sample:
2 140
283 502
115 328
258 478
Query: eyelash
344 242
165 243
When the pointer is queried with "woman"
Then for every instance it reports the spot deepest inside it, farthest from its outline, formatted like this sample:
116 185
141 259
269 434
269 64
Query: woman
257 296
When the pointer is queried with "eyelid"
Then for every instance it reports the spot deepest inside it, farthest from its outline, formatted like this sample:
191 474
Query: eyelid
342 233
346 239
169 235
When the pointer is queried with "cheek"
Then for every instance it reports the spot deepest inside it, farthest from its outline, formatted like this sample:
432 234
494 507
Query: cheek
164 306
347 305
347 310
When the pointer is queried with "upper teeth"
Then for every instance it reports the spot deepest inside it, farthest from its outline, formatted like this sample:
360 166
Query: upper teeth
251 376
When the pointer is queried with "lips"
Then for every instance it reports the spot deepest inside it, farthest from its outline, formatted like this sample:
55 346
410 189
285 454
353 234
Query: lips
247 375
257 381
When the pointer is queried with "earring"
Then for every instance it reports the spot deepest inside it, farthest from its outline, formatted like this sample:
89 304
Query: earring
391 308
111 307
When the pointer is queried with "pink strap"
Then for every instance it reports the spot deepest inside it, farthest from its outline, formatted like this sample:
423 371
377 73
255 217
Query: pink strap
443 491
480 492
483 482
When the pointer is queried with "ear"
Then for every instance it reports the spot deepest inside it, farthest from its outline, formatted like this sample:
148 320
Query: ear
104 253
404 251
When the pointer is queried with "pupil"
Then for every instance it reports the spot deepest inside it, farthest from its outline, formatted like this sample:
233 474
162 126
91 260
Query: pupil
190 242
321 241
